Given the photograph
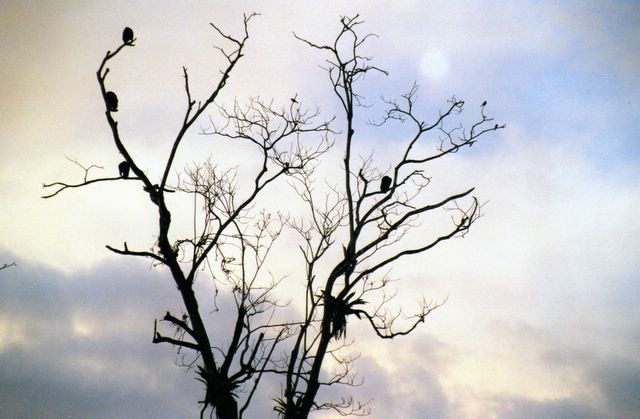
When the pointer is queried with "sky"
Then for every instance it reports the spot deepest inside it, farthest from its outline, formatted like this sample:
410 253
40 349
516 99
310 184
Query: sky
542 318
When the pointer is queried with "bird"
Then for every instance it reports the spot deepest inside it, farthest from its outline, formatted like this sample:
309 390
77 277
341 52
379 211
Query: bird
112 101
127 35
484 103
385 183
123 168
496 127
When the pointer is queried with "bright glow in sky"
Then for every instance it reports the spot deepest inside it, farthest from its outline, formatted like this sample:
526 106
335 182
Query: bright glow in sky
434 65
543 316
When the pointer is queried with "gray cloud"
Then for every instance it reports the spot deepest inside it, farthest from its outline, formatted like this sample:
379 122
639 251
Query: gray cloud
108 368
80 346
608 385
619 382
403 380
548 409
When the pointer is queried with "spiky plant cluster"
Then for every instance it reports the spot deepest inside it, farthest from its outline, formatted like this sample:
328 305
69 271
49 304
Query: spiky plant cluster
338 309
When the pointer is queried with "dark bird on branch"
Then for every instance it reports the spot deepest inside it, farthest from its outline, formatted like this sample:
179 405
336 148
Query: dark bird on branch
385 183
484 103
112 101
124 168
127 35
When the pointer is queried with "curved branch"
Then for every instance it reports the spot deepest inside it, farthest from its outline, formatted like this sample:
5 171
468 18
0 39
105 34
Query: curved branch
420 318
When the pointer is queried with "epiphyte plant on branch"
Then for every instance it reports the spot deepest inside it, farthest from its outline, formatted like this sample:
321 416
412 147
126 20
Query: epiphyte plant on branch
365 219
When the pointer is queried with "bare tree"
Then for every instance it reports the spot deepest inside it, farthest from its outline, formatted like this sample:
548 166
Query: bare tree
368 218
365 218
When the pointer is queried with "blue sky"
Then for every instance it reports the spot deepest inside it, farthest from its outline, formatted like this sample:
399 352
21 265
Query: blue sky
542 316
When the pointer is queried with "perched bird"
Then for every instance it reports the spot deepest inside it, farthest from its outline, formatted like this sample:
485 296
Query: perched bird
496 127
127 35
112 101
124 168
385 183
484 103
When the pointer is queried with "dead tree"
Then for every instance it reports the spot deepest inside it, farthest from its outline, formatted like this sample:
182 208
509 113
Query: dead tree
365 219
229 232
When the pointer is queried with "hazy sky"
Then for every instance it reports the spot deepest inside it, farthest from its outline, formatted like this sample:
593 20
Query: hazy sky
543 316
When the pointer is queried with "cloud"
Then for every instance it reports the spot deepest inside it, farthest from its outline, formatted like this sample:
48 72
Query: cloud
399 378
542 292
406 380
80 345
585 380
619 381
548 409
614 382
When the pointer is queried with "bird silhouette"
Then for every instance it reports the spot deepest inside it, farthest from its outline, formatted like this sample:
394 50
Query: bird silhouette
124 168
112 101
385 183
127 35
484 103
